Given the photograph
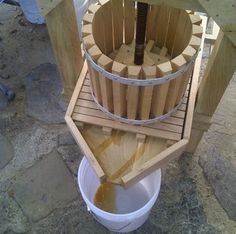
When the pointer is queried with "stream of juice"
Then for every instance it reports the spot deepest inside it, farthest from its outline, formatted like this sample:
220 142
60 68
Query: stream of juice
115 199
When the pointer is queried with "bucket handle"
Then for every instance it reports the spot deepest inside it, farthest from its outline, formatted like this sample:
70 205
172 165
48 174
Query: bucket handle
111 229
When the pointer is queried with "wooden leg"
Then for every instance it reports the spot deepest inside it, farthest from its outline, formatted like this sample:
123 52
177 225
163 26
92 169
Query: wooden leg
64 35
219 71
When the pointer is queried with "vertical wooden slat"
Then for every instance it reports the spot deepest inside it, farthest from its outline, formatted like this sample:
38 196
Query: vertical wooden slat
102 27
188 53
117 17
88 41
64 36
160 91
162 26
177 63
129 20
151 22
95 53
179 35
119 90
133 92
146 93
174 16
106 84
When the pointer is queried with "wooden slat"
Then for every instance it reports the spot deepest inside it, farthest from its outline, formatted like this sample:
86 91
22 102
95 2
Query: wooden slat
132 95
86 100
162 25
95 53
106 84
64 36
88 41
181 4
183 33
124 127
146 93
87 108
119 90
177 63
117 17
161 91
87 151
151 22
129 17
153 164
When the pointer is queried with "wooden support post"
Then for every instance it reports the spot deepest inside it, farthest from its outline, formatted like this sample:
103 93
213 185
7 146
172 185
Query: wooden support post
64 35
219 70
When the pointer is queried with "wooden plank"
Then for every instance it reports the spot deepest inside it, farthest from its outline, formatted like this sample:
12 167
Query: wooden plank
88 41
129 20
84 146
152 17
219 70
93 8
182 35
95 53
162 25
197 30
146 93
177 63
181 4
88 18
132 94
188 54
105 83
171 127
125 127
77 90
160 91
195 42
117 17
195 19
223 13
119 90
153 164
87 30
64 36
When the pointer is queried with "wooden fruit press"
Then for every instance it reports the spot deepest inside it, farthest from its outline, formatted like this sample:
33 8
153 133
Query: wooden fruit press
137 99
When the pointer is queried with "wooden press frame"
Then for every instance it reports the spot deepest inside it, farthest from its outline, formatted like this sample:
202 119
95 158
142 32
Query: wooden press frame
62 27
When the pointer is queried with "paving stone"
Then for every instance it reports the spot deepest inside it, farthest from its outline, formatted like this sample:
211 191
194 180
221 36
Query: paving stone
217 151
29 145
72 155
44 99
222 176
3 102
66 138
12 218
44 187
6 151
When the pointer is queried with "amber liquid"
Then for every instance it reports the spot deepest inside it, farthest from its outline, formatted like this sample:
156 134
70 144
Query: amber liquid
115 199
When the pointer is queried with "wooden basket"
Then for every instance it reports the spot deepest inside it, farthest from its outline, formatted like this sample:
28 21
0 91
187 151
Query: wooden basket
139 94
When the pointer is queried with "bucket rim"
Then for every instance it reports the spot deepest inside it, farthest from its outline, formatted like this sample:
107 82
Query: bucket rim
110 216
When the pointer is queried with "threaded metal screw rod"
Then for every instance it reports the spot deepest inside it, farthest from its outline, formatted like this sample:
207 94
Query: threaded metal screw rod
140 32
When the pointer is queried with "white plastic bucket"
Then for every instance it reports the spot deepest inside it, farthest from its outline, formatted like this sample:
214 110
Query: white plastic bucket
88 184
81 7
31 11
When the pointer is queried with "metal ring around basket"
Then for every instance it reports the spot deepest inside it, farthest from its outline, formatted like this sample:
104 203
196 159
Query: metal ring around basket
136 82
134 121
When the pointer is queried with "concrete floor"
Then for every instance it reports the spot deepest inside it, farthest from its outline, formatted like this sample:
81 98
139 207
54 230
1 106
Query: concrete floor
39 158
